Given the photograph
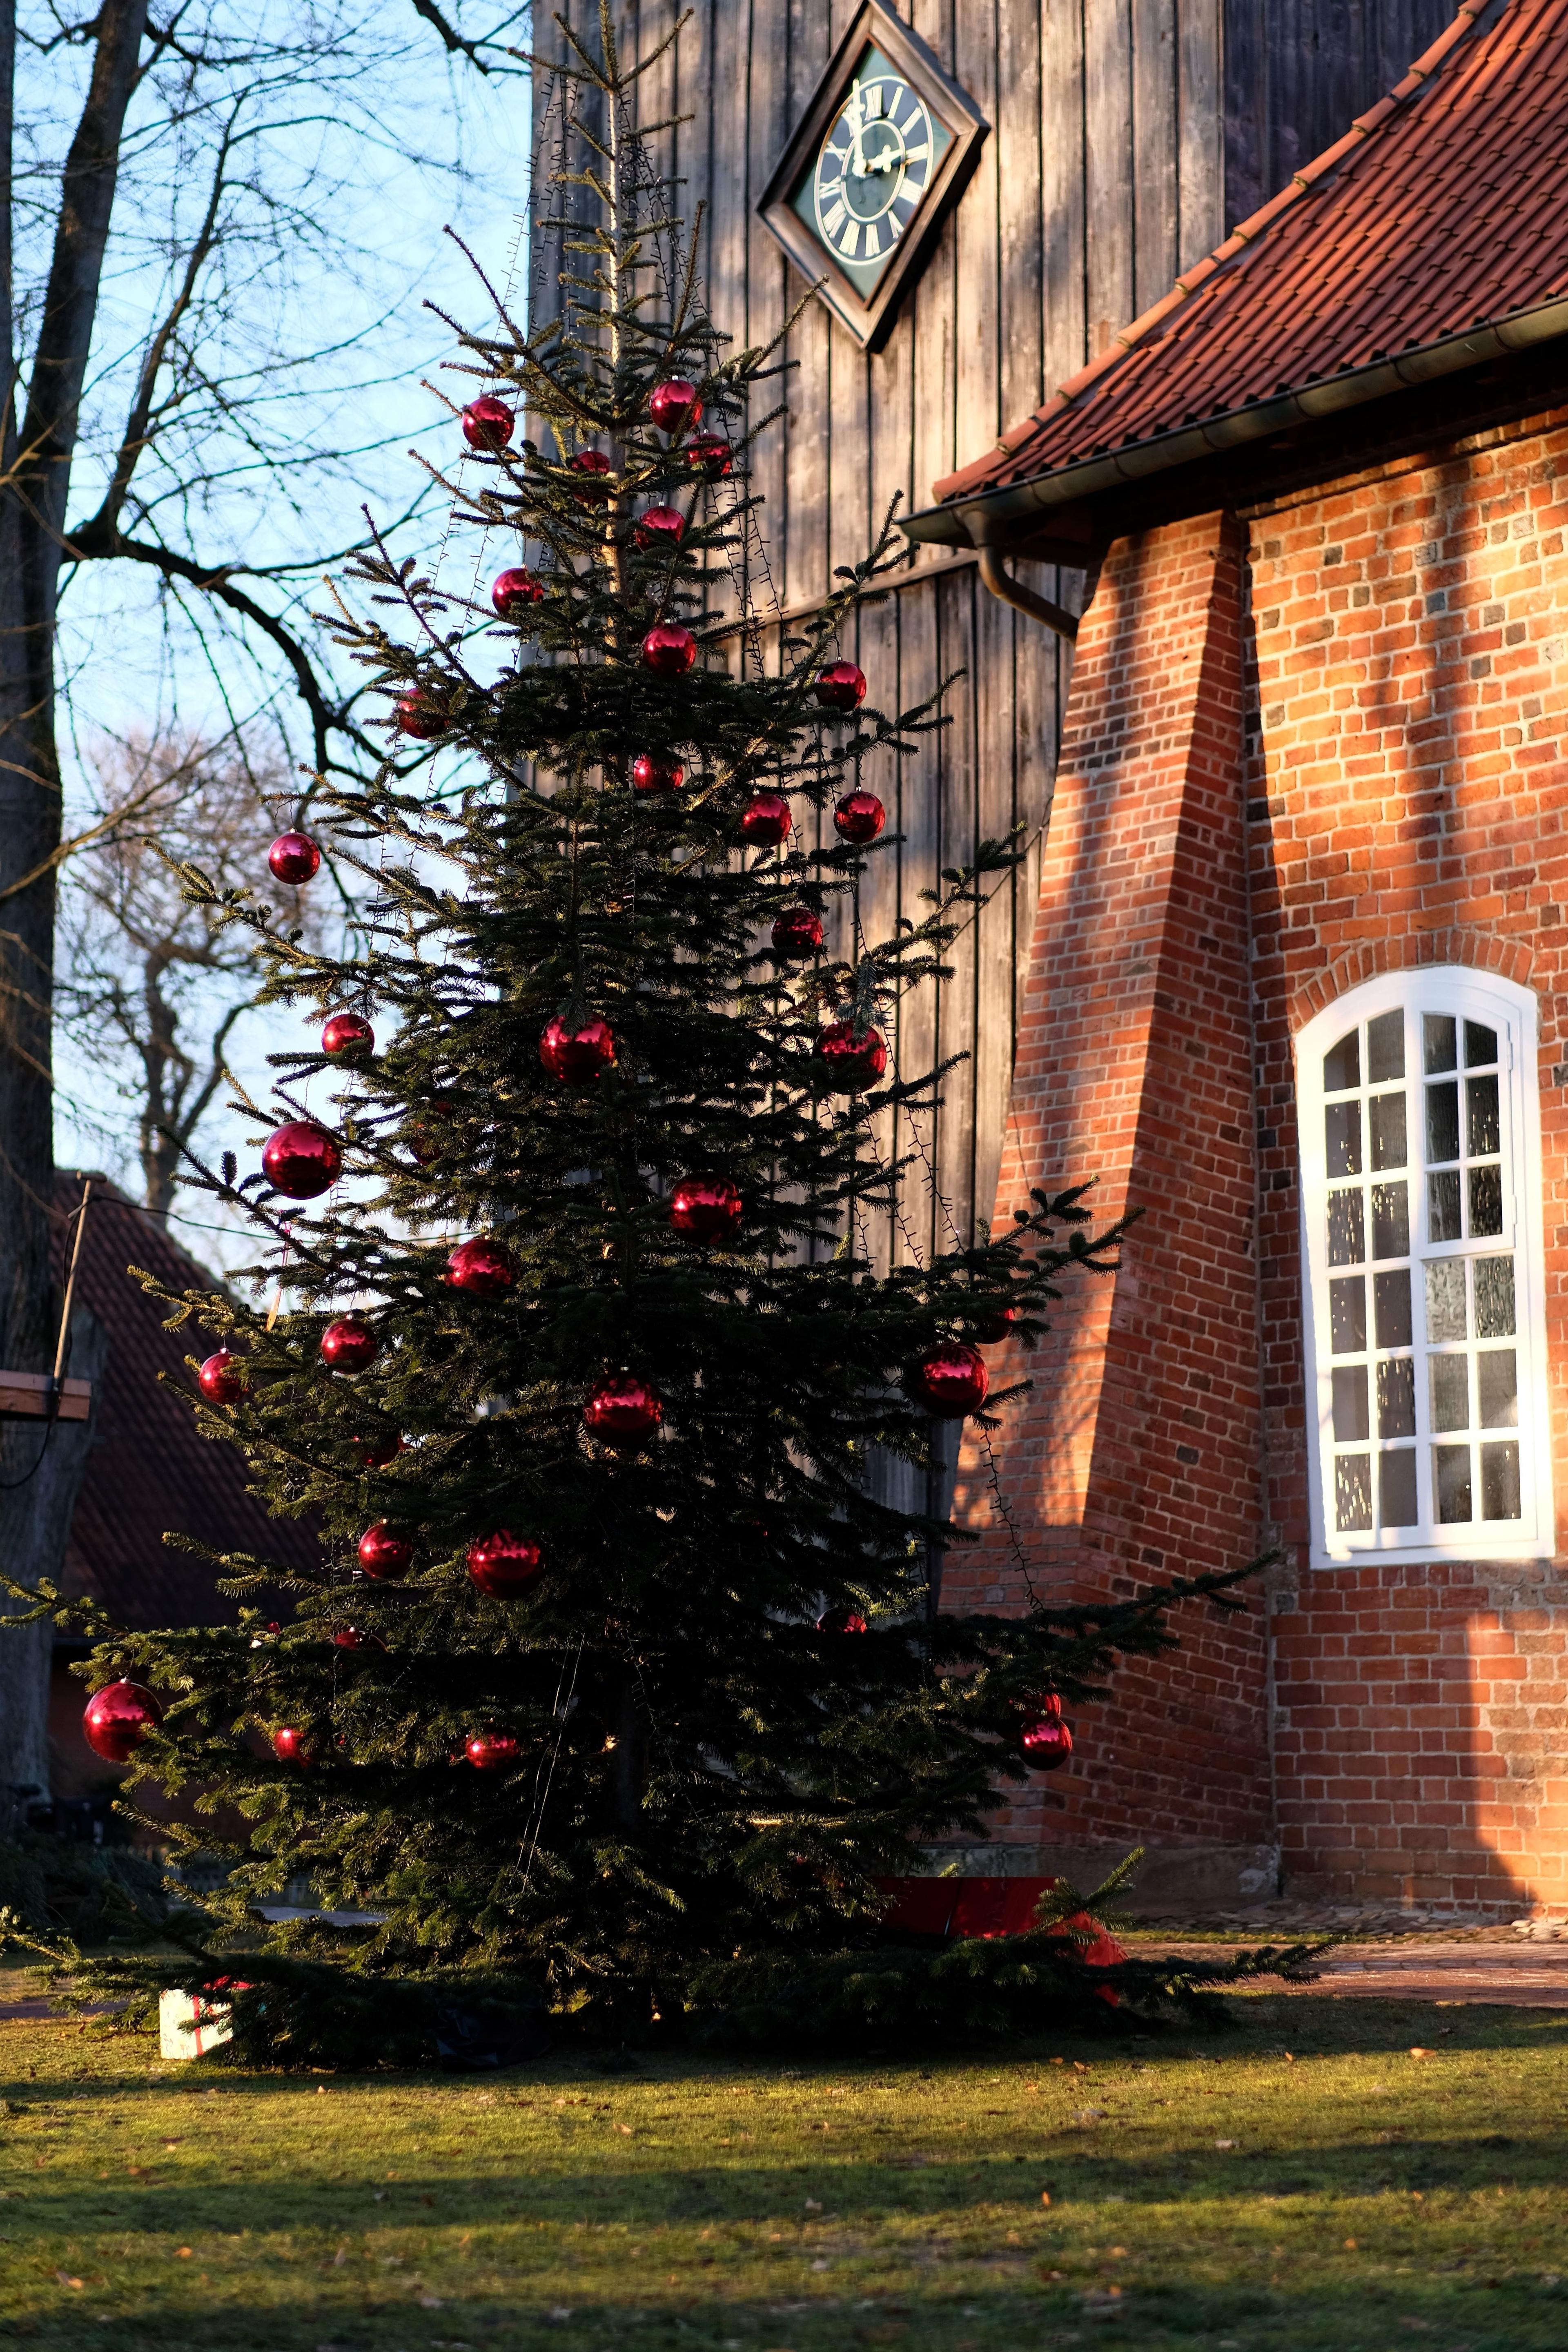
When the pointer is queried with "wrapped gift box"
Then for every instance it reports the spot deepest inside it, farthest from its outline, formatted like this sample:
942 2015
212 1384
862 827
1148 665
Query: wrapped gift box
191 2023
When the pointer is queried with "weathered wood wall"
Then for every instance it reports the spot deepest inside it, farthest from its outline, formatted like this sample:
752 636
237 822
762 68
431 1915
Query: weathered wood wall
1105 172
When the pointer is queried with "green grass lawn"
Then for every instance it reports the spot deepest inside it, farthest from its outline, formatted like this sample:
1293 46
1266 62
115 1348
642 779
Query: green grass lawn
1345 2195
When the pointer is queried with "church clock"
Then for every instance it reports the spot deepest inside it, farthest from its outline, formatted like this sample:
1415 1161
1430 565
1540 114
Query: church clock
871 170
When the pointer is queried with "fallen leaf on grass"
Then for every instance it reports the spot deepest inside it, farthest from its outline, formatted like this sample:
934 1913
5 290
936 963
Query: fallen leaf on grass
66 2279
1225 2143
1418 2052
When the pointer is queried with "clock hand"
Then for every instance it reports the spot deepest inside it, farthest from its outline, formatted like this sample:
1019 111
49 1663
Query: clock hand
858 152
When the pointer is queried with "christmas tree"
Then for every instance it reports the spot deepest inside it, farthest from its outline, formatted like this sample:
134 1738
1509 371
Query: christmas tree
620 1685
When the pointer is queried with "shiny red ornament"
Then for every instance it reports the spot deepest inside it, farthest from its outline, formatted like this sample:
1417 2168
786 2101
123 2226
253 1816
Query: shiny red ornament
488 423
842 1621
375 1452
294 858
706 1209
797 932
952 1380
624 1411
841 685
593 464
417 715
661 527
348 1037
859 818
385 1552
851 1058
765 821
222 1377
990 1330
290 1746
118 1718
504 1565
669 650
483 1268
350 1637
710 457
577 1051
654 775
512 592
1046 1744
348 1344
487 1751
674 406
302 1159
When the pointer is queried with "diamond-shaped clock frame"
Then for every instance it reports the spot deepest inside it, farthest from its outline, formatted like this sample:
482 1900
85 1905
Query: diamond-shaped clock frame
871 319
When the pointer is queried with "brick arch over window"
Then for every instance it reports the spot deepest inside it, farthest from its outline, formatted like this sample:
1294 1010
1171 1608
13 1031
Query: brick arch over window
1461 944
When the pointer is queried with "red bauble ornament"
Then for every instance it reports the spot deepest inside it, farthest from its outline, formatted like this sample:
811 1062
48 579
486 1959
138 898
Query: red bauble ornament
1048 1743
512 592
859 818
302 1159
593 464
118 1718
504 1565
420 717
375 1452
851 1058
294 858
661 527
797 932
482 1267
669 650
990 1330
706 1209
349 1637
348 1344
624 1411
577 1051
290 1746
348 1037
842 1621
952 1380
222 1377
710 457
488 423
650 775
487 1751
765 821
385 1552
674 406
841 685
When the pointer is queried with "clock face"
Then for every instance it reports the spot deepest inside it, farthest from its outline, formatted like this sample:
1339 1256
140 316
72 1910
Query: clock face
871 172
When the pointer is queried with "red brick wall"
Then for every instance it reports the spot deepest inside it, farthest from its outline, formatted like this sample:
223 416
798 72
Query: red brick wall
1137 1452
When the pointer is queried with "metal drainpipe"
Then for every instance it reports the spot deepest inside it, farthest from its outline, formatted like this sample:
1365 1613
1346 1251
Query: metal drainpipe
1002 584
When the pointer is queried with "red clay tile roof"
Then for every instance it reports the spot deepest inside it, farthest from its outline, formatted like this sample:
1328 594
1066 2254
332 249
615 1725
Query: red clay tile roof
148 1470
1444 208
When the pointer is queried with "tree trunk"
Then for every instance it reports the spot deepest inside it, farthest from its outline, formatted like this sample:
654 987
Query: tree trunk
34 481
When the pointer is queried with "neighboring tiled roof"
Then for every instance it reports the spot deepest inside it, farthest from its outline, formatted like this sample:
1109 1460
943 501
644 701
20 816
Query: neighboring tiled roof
148 1470
1444 208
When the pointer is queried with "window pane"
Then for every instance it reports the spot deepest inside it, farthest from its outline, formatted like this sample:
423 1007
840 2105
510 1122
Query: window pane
1388 1138
1386 1047
1341 1123
1341 1063
1497 1382
1443 1207
1350 1404
1391 1298
1438 1030
1445 1299
1347 1315
1390 1220
1347 1229
1451 1482
1397 1486
1485 1199
1494 1298
1480 1045
1442 1125
1450 1391
1480 1115
1500 1480
1396 1397
1353 1492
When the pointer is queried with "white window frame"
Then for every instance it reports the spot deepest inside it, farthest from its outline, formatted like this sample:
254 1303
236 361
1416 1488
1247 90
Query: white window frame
1457 990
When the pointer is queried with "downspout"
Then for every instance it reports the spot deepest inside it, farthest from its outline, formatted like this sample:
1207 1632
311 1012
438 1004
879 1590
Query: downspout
1001 583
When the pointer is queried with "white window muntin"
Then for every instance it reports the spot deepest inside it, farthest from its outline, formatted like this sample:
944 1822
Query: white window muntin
1434 1474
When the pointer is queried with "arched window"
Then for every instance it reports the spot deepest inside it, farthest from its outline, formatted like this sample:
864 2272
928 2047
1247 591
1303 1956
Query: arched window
1426 1353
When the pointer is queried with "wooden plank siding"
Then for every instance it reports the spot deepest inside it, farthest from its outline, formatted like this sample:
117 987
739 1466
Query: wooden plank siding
1126 136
